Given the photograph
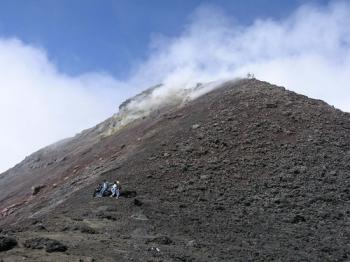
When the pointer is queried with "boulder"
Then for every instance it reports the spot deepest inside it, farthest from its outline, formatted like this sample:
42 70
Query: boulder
55 246
36 189
7 243
50 245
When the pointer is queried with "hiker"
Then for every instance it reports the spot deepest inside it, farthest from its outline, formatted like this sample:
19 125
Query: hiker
104 188
97 190
116 189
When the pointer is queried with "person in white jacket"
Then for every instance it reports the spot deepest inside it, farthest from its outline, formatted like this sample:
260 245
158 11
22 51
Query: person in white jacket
116 189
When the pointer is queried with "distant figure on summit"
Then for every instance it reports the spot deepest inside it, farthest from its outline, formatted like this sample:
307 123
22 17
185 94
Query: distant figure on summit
116 189
250 76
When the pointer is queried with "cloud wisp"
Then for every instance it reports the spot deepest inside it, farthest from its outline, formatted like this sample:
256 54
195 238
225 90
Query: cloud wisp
39 105
308 52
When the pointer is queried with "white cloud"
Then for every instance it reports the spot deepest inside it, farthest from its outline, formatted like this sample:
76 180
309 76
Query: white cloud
39 105
308 52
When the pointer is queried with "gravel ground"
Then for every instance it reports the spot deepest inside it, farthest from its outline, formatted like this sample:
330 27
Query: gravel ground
247 172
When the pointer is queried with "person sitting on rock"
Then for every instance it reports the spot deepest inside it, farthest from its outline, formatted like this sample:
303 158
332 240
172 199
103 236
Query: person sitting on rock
116 189
104 188
97 190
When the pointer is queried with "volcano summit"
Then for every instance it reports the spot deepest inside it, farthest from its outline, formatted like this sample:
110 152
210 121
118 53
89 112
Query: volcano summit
248 171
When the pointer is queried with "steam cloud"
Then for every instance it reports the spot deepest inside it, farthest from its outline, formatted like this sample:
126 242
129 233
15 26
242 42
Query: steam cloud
308 52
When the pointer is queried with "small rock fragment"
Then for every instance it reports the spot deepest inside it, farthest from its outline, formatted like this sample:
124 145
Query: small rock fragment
297 219
161 240
86 229
138 202
139 217
271 105
192 243
166 154
39 227
299 169
195 126
204 177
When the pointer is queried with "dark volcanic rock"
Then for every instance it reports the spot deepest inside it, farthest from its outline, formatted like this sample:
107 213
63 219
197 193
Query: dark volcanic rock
55 246
107 215
161 240
50 245
85 229
138 202
39 227
36 189
35 243
128 193
249 172
7 243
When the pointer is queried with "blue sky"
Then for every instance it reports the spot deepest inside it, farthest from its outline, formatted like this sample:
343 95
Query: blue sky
66 65
114 35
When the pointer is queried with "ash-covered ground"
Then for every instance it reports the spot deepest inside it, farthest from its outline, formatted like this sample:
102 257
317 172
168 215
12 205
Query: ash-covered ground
247 172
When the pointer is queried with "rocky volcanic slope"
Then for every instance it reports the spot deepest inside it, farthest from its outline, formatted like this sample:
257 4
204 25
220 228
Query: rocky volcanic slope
249 171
